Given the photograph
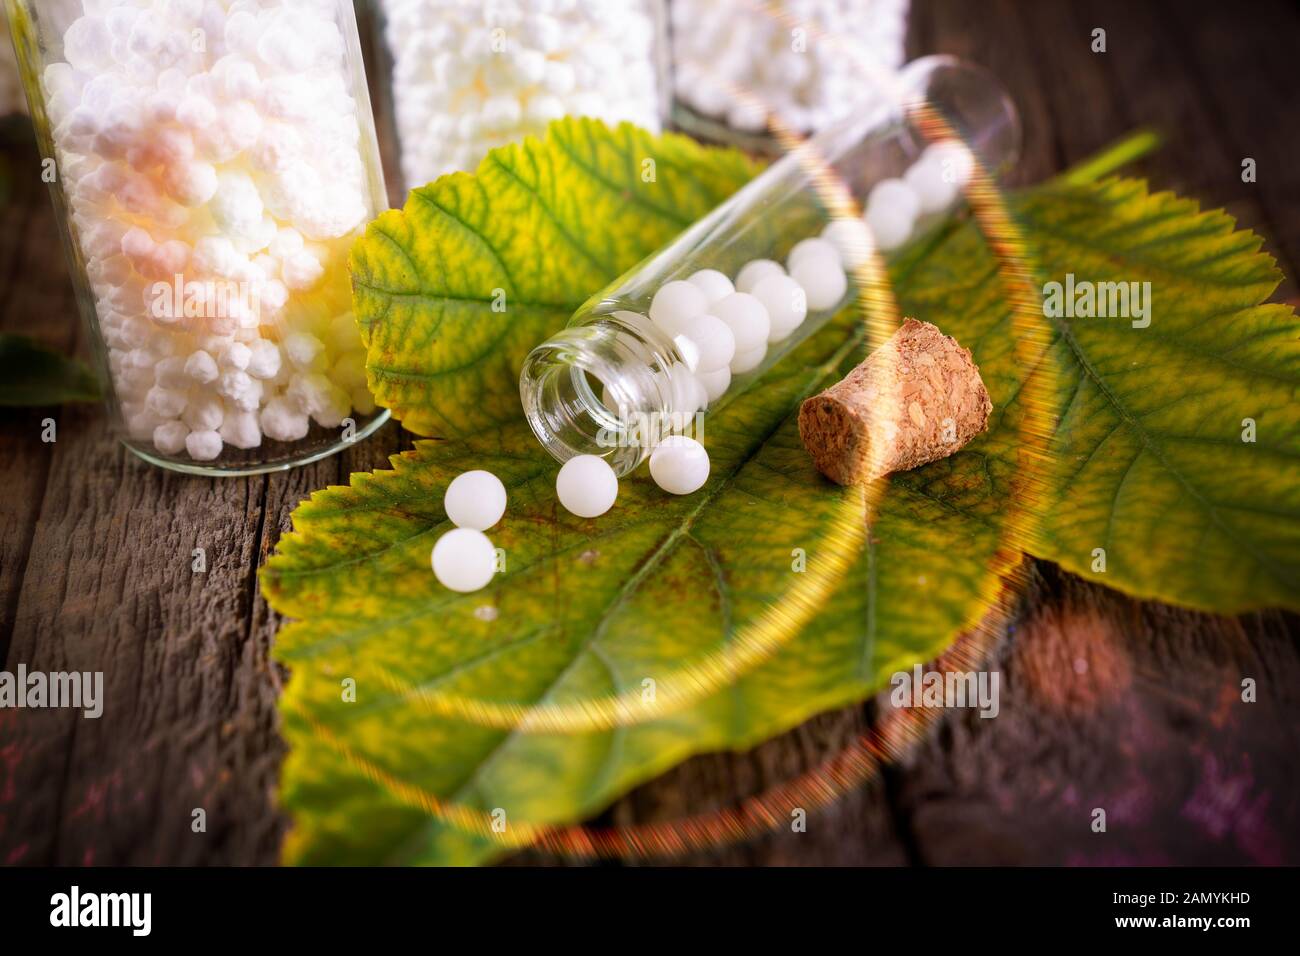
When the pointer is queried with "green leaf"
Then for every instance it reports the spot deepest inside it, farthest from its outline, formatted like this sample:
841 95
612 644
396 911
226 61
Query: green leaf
33 375
587 610
1153 465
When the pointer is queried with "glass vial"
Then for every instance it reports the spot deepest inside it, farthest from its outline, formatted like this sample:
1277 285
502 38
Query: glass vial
467 76
212 162
699 320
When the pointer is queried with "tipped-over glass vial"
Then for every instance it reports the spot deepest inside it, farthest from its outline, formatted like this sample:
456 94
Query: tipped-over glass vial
697 321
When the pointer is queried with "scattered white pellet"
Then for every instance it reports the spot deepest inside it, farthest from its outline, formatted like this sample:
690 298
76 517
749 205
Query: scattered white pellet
475 499
747 319
713 284
463 560
587 486
786 304
755 271
679 465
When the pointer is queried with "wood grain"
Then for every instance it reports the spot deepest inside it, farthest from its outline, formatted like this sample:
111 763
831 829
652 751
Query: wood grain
1107 703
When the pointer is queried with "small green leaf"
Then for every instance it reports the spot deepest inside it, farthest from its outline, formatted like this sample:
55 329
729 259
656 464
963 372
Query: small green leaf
33 375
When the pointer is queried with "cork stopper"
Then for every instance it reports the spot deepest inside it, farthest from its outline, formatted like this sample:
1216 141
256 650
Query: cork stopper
917 398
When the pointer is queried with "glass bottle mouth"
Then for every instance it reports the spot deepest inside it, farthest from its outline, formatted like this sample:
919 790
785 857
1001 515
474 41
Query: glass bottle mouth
604 387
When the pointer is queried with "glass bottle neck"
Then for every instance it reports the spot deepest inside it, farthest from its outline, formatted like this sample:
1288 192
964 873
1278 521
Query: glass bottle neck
610 386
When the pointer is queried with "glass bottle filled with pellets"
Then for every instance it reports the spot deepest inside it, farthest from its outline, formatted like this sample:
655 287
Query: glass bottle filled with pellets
698 321
212 162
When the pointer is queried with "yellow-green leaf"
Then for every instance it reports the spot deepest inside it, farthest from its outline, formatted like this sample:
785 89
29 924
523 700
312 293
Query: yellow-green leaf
587 611
1179 445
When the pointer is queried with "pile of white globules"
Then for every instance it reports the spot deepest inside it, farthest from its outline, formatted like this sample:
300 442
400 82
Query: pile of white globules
215 163
807 62
469 76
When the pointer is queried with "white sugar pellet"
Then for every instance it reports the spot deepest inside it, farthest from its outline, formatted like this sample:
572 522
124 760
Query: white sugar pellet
744 362
713 284
201 367
349 371
204 445
715 383
241 429
675 304
204 413
806 248
822 278
892 208
165 402
715 342
755 271
169 437
747 319
786 304
475 499
170 373
263 359
301 270
679 465
236 355
463 560
304 350
283 420
851 238
587 486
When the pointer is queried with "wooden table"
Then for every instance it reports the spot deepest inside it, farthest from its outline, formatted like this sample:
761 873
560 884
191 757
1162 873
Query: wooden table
1106 701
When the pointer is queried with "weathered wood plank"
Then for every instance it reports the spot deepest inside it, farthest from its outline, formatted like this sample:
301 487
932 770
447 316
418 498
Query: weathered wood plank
1106 702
